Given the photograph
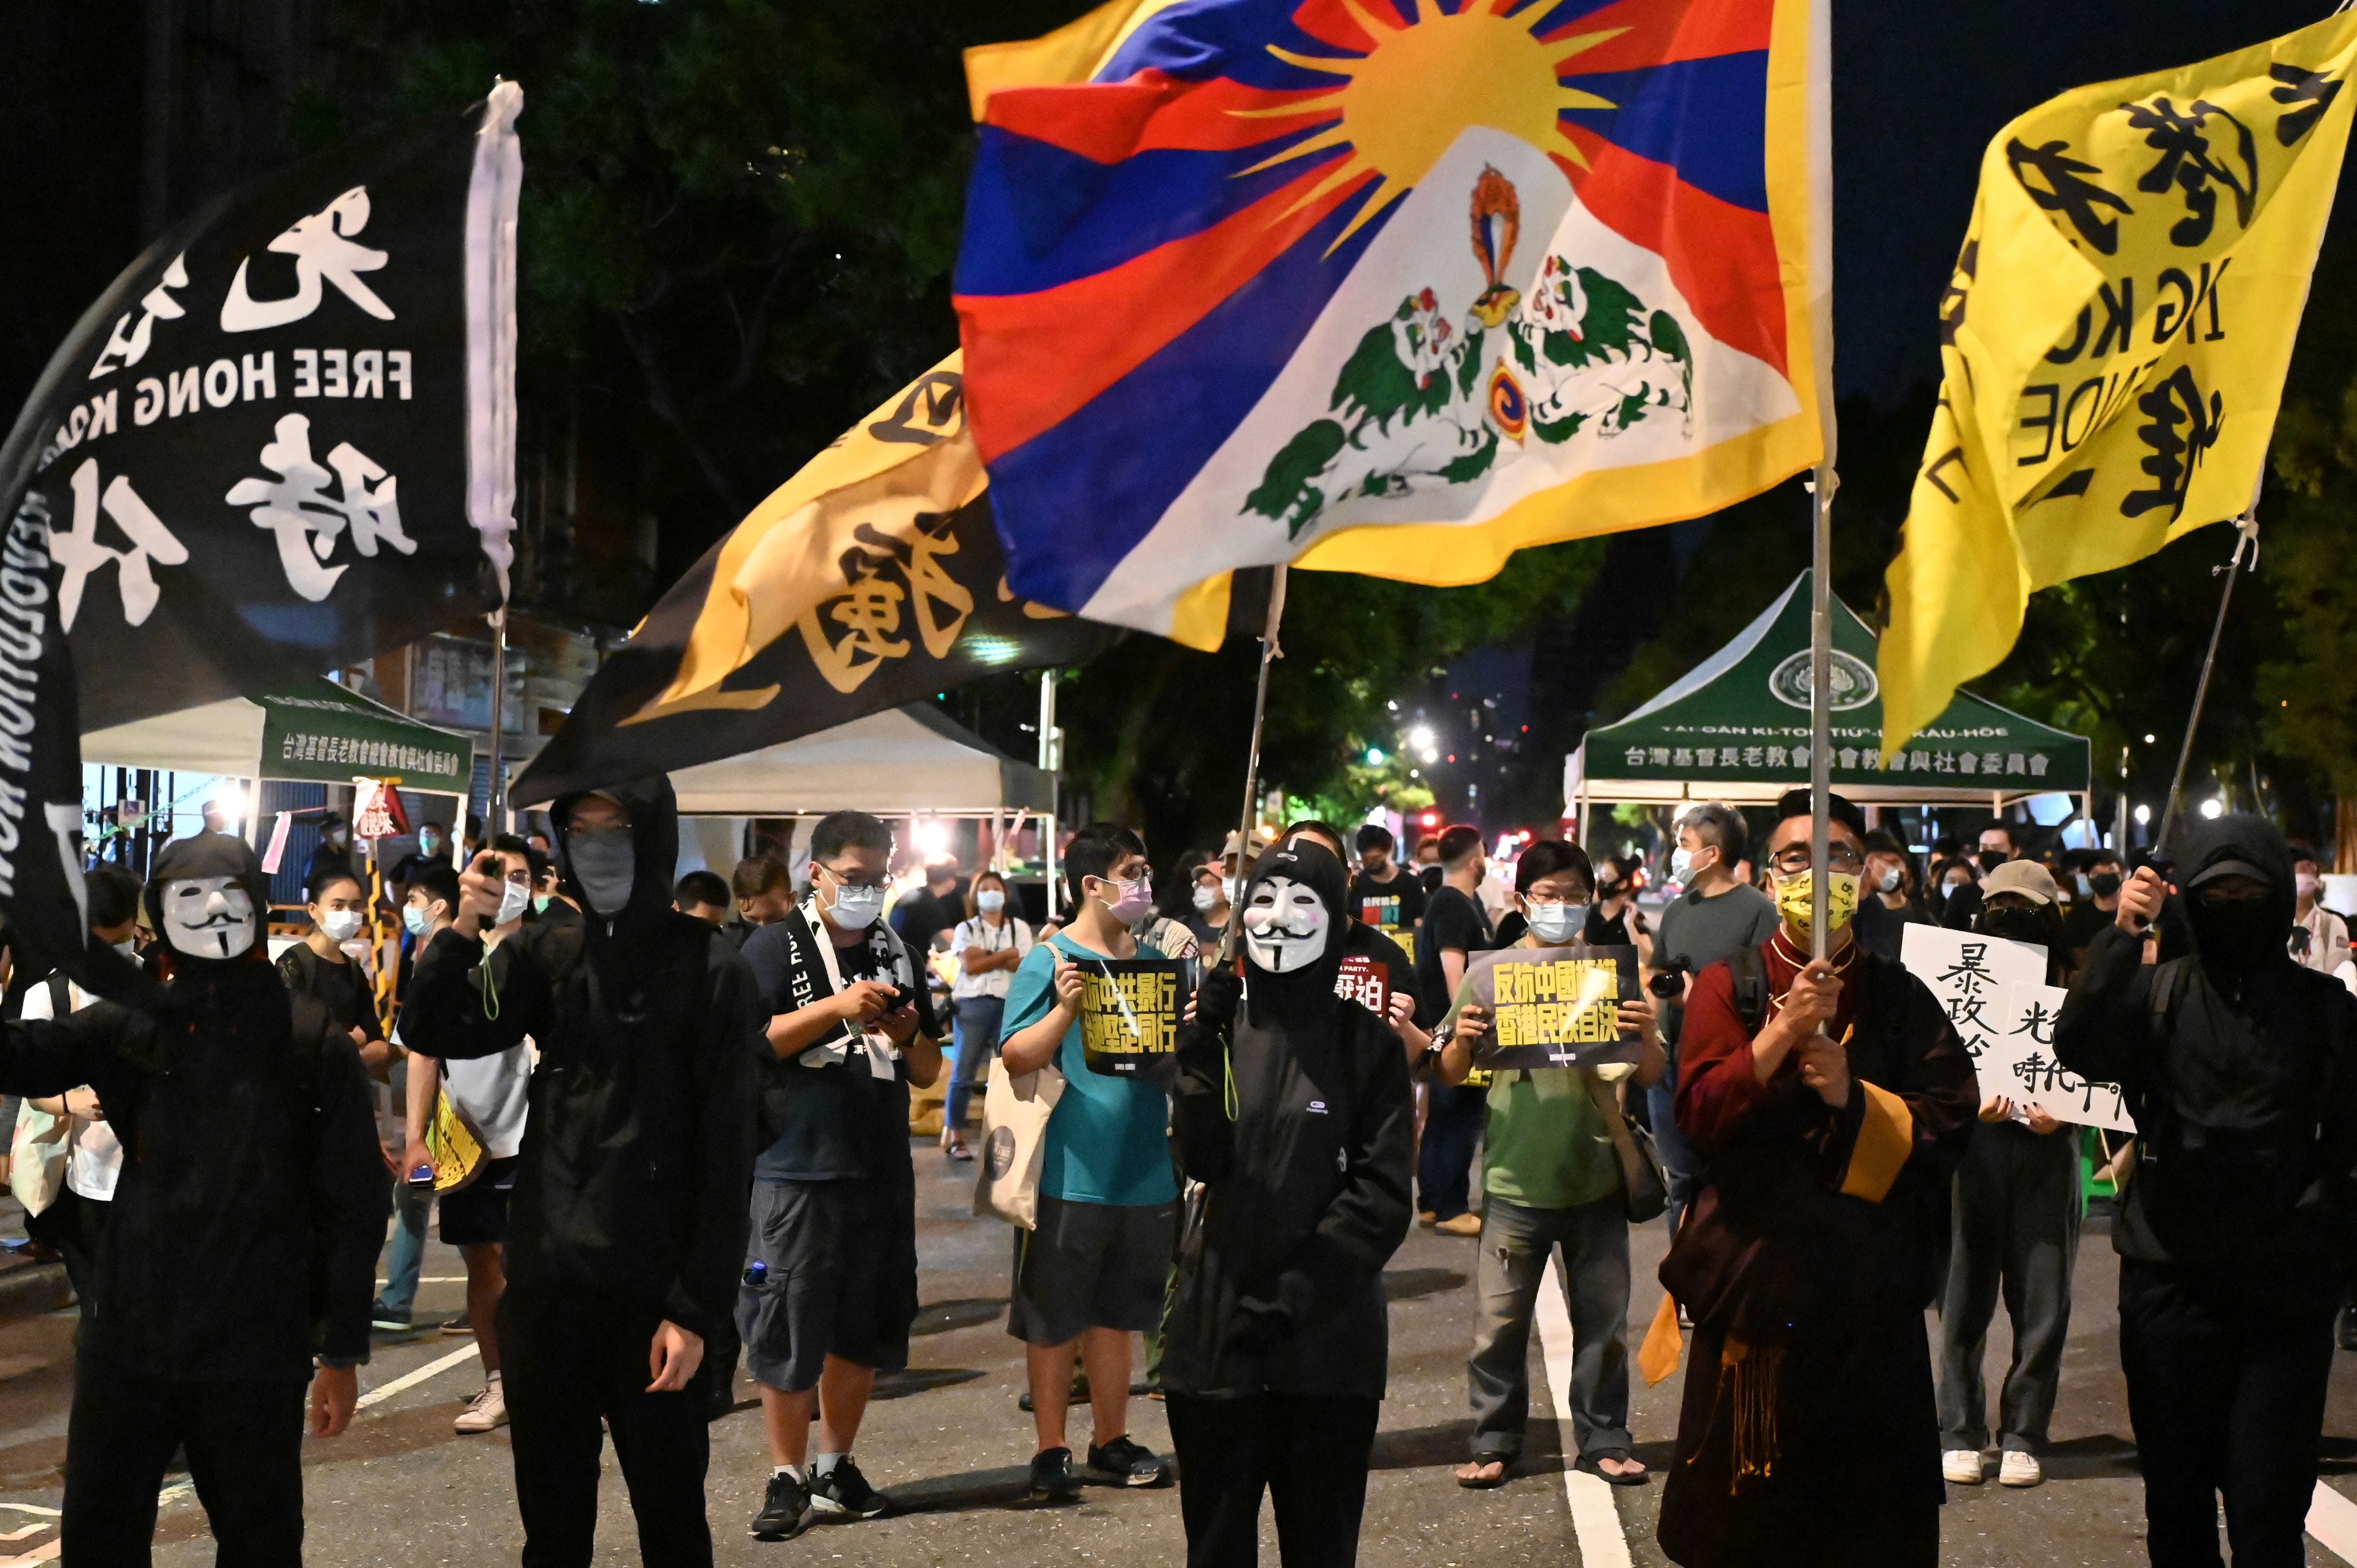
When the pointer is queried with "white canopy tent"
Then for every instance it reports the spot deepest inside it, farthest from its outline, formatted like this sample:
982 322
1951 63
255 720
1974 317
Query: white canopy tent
911 762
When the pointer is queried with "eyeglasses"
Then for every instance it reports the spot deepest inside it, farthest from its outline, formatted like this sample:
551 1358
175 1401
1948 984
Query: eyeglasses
872 882
1838 857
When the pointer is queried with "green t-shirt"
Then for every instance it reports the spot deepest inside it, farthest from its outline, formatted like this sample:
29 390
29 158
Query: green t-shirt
1107 1140
1546 1146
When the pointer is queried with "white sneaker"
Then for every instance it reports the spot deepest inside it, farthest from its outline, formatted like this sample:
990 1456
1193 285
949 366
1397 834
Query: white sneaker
486 1412
2019 1470
1964 1467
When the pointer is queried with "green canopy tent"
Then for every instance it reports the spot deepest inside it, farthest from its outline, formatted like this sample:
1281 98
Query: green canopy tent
311 731
1736 728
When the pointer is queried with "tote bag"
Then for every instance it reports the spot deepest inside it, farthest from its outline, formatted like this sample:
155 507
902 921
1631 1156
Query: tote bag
1015 1111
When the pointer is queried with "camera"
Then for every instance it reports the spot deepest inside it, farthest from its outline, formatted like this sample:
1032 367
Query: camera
1669 983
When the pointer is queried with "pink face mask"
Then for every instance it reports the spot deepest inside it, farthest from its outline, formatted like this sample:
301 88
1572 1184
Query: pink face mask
1133 899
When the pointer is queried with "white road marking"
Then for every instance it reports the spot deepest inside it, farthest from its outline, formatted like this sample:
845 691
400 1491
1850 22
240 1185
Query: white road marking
1594 1517
411 1379
45 1552
435 1280
2332 1520
30 1508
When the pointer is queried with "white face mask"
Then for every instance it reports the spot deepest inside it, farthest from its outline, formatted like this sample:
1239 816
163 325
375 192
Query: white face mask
1556 924
342 925
514 899
1285 926
990 900
854 908
1229 888
415 919
1206 898
128 947
207 917
1890 879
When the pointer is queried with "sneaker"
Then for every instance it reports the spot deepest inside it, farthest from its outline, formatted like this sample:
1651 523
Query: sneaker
1125 1464
1963 1465
384 1322
785 1510
455 1327
1465 1224
843 1490
487 1411
2019 1470
1052 1480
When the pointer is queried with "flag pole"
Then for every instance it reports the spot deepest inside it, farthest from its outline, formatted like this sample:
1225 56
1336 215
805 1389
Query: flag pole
2246 537
1821 712
495 795
1269 654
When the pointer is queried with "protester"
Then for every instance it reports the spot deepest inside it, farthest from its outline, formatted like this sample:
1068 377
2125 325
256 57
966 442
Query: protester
830 1272
1890 906
764 894
1716 916
427 908
2015 1233
332 855
1948 875
491 1095
1094 1270
1614 920
1997 845
241 1243
1552 1183
1829 1101
626 1221
1383 894
2095 907
1455 928
318 965
989 944
1292 1110
1208 918
433 849
1371 944
2235 1233
65 1158
1429 874
702 895
2320 939
922 918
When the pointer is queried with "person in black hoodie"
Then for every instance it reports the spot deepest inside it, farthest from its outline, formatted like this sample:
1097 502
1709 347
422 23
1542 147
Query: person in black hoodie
1293 1109
2235 1232
627 1222
241 1247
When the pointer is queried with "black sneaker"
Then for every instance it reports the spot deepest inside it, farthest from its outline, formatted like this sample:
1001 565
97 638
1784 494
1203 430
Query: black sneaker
2344 1328
843 1490
1128 1464
785 1510
1052 1480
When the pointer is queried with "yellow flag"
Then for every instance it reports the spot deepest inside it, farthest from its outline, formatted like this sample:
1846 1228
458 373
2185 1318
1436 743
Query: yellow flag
2113 341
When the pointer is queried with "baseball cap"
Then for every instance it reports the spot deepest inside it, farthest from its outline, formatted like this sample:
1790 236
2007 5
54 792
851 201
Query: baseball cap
2026 877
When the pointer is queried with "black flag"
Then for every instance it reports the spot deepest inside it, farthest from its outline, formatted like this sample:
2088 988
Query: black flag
282 440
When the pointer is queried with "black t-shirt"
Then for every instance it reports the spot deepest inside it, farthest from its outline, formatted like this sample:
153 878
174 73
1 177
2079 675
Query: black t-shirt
336 985
922 917
835 1122
1451 920
2080 926
1395 906
1618 930
411 865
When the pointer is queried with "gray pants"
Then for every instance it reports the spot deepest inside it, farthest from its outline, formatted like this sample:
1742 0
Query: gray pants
2015 1232
1515 1242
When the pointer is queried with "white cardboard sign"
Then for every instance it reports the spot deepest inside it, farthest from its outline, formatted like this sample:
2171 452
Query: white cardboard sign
2020 1064
1995 992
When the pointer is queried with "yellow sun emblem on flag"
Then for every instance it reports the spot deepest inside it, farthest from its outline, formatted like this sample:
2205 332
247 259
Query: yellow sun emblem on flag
1423 83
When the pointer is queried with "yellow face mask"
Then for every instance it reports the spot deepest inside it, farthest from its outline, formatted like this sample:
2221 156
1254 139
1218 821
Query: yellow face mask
1793 899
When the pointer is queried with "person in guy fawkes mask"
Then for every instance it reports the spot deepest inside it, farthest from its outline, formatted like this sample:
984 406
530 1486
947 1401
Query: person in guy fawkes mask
2235 1232
240 1249
1293 1109
2013 1231
627 1222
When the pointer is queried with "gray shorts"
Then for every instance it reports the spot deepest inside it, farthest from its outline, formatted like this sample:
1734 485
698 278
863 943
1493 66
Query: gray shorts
1092 1265
836 1275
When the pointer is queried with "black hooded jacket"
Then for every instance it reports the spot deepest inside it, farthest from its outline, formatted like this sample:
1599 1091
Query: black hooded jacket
1306 1188
244 1230
638 1148
2240 1069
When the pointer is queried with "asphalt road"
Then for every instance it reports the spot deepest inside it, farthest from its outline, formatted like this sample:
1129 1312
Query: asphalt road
947 1441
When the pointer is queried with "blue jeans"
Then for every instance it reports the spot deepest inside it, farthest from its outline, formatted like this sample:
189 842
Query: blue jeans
977 1035
1452 1129
406 1260
1676 1155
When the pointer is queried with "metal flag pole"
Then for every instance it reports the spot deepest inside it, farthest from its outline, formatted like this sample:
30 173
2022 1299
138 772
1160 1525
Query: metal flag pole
1821 708
495 797
1269 654
2246 538
1051 763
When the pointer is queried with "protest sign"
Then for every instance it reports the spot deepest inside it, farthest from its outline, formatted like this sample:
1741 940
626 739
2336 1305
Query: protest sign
1552 1007
1362 980
1129 1012
2019 1064
1971 975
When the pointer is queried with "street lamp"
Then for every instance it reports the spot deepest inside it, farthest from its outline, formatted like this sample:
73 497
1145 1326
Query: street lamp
1421 737
1375 756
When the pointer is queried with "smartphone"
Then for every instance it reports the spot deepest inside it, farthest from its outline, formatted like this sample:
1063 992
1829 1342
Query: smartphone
423 1175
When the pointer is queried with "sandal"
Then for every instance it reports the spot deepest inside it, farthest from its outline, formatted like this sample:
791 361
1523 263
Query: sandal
1594 1465
1476 1482
960 1151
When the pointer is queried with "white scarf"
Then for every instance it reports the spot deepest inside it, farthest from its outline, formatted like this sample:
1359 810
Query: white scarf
891 957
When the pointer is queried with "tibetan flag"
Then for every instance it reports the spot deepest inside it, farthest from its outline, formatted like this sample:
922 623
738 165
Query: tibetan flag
1390 287
2115 340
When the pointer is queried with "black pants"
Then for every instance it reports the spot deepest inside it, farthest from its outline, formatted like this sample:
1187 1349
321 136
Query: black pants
2226 1379
1309 1454
566 1364
1444 1167
245 1454
76 1227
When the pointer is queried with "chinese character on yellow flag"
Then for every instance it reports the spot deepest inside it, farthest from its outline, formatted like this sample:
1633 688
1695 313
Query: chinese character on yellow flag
2113 341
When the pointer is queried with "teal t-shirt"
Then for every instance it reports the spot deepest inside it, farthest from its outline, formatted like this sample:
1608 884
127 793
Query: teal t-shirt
1107 1141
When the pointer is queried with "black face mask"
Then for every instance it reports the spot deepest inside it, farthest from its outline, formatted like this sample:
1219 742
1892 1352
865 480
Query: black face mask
2241 932
2104 884
2033 926
1991 859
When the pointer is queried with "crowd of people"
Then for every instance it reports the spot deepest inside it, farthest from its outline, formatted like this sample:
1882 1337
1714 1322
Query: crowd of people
665 1122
